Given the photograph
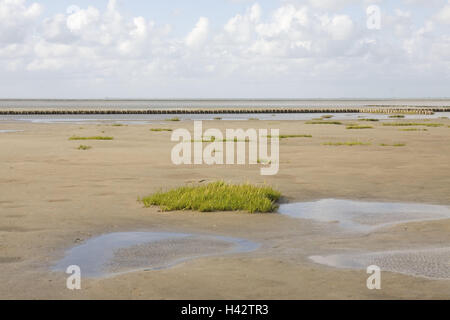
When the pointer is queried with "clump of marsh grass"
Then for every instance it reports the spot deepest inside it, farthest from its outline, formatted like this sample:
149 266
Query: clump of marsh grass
264 161
323 122
350 127
173 119
91 138
287 136
348 143
216 196
413 129
372 120
393 145
253 119
160 129
327 116
118 125
83 147
217 118
409 124
433 125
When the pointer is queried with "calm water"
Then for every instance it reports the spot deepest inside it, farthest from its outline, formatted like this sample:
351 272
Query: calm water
122 252
230 103
360 216
432 263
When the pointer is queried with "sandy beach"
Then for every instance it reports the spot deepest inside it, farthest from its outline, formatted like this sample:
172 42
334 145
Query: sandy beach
54 197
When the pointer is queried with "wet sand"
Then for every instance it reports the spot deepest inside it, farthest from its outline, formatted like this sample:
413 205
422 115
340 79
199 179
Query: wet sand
433 263
54 197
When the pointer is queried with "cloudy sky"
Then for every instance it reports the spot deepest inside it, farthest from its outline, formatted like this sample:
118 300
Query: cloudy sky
224 49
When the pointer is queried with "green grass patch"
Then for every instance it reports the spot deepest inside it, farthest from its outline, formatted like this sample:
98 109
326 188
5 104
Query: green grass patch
433 125
393 145
83 147
348 143
409 124
371 120
173 119
264 161
350 127
91 138
323 122
287 136
328 116
413 129
160 129
118 125
217 118
216 196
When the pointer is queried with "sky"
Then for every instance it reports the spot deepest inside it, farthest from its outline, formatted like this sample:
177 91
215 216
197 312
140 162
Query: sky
140 49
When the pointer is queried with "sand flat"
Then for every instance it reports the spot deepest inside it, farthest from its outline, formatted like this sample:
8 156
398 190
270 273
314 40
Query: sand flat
40 168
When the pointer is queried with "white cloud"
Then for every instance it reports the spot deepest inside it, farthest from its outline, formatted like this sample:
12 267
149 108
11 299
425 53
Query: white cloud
240 27
443 15
107 50
199 34
331 4
81 19
53 28
16 19
140 28
284 20
340 27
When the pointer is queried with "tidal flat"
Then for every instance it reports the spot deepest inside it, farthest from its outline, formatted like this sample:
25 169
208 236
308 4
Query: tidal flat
55 197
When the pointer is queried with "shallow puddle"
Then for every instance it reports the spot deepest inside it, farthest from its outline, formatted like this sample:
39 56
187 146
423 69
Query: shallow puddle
431 263
10 131
362 216
122 252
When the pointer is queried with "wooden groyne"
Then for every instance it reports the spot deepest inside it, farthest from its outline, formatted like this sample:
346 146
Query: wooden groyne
93 111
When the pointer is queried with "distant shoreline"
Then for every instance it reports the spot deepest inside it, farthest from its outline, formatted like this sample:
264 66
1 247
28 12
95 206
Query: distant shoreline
30 106
222 99
120 110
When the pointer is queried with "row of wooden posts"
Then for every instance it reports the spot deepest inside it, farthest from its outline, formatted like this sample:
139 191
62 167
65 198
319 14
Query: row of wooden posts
390 110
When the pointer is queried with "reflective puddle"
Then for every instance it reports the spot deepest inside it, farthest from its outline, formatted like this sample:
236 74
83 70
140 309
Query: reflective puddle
359 216
10 131
431 263
123 252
